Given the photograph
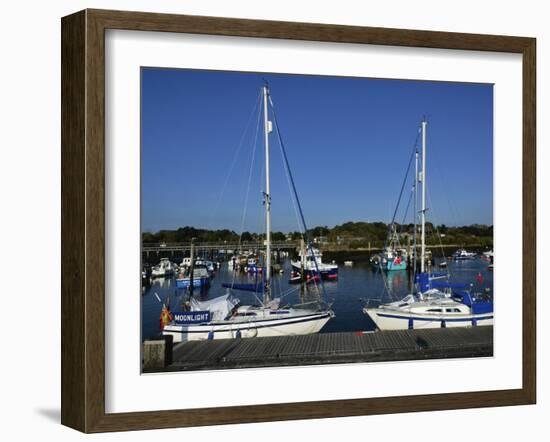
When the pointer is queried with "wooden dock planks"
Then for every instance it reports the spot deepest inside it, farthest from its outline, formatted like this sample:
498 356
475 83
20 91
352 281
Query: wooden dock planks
330 348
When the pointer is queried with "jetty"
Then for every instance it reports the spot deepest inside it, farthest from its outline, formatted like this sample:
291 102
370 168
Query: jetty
322 348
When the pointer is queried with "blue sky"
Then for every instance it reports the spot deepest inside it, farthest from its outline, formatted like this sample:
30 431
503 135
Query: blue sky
348 141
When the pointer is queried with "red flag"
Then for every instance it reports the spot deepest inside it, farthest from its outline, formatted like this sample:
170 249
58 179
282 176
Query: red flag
479 278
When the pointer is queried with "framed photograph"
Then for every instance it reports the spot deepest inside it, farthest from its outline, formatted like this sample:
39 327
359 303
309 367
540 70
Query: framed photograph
266 221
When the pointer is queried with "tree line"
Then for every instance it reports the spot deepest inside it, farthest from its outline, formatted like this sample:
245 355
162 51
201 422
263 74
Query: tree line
352 234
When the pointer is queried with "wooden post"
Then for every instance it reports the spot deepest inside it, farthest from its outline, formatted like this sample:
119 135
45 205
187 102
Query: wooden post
157 353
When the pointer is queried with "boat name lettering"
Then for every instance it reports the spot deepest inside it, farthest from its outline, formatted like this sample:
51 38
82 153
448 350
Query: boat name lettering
191 317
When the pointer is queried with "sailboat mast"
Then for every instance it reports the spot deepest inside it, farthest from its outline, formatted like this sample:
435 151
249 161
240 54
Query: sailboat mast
267 129
423 211
415 253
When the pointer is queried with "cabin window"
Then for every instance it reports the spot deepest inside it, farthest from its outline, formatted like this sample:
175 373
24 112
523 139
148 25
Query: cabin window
453 310
436 310
279 312
247 314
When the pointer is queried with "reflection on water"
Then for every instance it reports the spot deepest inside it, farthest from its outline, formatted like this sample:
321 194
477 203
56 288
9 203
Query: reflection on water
354 283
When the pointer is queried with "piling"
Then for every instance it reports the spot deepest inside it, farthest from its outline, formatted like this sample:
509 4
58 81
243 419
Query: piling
157 353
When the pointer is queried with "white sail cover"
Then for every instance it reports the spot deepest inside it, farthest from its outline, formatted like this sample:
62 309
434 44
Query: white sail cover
219 307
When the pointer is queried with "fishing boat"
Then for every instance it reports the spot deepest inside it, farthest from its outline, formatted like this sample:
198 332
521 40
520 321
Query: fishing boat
201 277
393 257
164 268
252 265
313 264
206 263
390 259
225 316
436 303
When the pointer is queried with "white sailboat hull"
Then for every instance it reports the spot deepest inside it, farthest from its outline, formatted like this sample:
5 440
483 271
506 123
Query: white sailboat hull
297 325
386 319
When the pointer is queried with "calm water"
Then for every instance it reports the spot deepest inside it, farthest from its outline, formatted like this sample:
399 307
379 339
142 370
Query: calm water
354 283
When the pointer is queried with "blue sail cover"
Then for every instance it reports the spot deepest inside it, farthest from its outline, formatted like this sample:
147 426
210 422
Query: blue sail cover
425 282
258 288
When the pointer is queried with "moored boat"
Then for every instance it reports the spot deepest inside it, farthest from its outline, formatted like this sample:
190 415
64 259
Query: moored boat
164 268
225 318
313 264
201 277
390 259
463 255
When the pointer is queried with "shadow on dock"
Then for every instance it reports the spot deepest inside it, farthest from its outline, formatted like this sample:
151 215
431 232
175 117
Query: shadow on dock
330 348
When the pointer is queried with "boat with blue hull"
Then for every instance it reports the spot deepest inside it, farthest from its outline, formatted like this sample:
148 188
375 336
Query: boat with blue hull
184 283
436 303
201 278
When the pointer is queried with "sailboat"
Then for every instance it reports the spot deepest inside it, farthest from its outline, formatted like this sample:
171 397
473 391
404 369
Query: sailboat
225 317
436 303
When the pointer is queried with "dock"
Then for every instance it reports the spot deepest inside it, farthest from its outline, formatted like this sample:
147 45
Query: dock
331 348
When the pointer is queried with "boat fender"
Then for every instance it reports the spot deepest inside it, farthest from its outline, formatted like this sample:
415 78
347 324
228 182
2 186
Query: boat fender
238 334
443 324
211 335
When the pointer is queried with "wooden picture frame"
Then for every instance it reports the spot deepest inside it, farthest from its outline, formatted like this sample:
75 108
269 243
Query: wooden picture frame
83 219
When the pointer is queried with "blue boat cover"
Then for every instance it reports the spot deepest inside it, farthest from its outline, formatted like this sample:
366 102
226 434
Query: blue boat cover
258 288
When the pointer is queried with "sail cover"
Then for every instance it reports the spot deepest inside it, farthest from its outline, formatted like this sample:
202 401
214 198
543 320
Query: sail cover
219 308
